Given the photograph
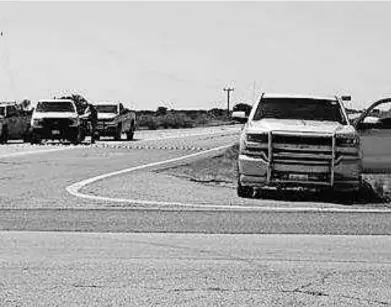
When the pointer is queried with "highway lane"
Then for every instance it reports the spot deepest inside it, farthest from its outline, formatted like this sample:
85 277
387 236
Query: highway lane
73 269
119 254
39 180
33 195
206 221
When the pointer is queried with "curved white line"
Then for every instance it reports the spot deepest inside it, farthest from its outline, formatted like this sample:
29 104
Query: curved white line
75 188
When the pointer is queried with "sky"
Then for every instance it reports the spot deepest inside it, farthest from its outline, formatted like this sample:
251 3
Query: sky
182 54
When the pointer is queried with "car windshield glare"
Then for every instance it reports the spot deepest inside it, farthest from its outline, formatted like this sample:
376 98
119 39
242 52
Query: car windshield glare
106 109
55 106
300 108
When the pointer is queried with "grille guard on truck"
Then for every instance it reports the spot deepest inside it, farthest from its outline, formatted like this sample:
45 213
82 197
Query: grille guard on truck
322 156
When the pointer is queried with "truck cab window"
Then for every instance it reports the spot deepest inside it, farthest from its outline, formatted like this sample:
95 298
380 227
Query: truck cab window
301 109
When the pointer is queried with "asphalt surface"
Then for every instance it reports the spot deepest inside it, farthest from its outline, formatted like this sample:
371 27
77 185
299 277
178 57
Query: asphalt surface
205 221
135 253
62 269
34 197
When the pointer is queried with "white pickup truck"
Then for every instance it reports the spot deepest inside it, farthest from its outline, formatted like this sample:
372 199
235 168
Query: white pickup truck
115 120
306 141
57 119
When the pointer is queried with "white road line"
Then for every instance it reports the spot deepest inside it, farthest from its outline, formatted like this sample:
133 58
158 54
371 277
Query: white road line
75 188
227 132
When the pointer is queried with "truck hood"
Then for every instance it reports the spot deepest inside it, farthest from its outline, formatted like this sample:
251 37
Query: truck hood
40 115
106 116
294 125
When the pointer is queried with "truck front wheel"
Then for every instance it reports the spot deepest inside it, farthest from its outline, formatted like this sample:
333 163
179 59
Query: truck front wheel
76 137
129 135
4 135
244 192
35 138
118 134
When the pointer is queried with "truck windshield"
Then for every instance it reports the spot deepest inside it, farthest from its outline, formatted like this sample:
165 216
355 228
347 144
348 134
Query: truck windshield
55 106
300 108
106 109
2 111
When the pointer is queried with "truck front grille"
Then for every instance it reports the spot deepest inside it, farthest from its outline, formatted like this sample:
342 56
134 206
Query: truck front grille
304 158
57 123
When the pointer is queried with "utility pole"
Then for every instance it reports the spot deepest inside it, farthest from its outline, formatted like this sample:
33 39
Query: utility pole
228 90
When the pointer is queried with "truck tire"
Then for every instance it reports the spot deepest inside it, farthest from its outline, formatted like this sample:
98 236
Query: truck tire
244 192
75 139
83 134
118 133
26 137
346 198
35 139
4 136
129 135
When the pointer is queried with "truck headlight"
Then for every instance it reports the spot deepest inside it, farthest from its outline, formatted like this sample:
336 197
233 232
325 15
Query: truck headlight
348 141
258 138
37 122
73 122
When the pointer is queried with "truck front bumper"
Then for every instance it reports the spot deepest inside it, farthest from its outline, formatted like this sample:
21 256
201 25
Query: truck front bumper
55 133
104 129
256 172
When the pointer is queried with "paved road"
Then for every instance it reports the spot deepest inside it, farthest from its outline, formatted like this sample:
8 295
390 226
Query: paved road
207 222
48 269
185 269
34 197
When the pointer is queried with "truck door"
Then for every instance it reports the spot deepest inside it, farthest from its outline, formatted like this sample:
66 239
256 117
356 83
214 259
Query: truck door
374 127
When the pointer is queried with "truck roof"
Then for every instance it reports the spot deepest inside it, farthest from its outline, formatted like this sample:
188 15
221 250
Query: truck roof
7 103
106 103
55 100
298 96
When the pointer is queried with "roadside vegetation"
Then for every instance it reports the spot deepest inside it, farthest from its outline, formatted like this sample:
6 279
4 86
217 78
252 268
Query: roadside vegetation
163 118
222 170
176 119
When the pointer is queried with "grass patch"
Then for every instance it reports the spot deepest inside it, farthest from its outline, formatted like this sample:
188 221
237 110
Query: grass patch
222 170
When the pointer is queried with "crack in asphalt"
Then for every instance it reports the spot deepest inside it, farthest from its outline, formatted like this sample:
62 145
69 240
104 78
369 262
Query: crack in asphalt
319 293
87 286
218 289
